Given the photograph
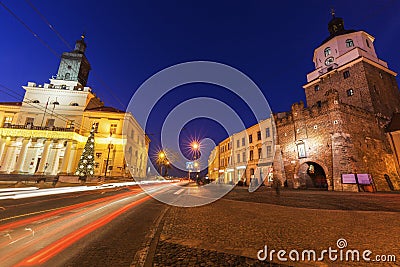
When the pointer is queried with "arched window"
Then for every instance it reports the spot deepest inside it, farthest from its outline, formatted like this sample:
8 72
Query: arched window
67 76
349 43
327 51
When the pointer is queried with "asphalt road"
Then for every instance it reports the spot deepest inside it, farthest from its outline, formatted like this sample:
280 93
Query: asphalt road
96 228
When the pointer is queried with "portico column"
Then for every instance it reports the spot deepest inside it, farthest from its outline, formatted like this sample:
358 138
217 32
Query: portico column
67 155
45 155
8 161
3 142
71 159
22 156
55 158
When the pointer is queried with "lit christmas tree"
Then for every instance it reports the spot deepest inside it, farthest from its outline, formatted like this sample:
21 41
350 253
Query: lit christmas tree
86 163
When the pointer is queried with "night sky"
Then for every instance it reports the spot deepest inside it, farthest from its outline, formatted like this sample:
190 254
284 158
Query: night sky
129 41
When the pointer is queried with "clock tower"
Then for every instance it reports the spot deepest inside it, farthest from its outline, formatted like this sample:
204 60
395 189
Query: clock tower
346 63
74 65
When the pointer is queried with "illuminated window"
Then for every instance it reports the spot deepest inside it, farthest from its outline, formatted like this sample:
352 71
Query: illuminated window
327 51
70 124
29 121
260 153
96 126
349 43
50 123
113 128
350 92
7 121
301 150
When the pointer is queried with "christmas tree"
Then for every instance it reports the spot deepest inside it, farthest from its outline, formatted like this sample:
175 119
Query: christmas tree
86 163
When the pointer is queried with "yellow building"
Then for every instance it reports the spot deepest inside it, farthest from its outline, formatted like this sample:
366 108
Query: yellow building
246 156
46 132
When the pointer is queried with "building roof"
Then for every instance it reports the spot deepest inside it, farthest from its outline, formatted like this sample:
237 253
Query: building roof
11 103
106 109
336 28
394 124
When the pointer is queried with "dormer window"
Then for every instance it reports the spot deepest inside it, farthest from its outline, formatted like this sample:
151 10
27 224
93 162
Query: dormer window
349 43
327 51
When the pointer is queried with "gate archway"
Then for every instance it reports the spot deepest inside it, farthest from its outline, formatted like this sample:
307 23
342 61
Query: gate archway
312 175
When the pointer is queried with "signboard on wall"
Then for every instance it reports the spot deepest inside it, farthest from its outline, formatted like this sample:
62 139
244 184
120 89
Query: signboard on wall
364 178
349 178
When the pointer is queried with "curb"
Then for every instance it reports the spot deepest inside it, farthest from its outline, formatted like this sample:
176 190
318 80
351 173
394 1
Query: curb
144 256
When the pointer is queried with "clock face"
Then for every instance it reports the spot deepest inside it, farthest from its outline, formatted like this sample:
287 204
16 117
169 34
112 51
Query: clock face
329 61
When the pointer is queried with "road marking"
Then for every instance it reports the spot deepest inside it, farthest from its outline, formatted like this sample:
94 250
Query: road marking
179 191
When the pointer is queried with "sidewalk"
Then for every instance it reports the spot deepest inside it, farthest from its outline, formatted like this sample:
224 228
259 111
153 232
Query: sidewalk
230 233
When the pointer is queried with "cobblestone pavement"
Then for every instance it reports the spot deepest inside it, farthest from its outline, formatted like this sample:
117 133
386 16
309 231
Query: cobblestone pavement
320 199
231 232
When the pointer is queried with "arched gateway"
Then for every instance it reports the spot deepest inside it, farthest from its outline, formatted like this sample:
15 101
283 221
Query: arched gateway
312 175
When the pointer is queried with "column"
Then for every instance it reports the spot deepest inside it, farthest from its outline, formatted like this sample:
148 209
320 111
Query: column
45 155
66 159
3 142
10 154
54 163
71 160
22 156
33 155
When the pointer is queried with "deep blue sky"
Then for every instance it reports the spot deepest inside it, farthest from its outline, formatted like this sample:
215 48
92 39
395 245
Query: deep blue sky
128 41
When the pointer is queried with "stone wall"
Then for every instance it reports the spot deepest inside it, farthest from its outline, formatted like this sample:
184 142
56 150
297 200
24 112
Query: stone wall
340 138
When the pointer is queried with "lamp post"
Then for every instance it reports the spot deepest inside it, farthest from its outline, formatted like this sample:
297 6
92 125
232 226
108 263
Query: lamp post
195 146
109 139
161 160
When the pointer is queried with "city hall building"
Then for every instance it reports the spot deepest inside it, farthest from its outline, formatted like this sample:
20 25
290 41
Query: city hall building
46 132
346 137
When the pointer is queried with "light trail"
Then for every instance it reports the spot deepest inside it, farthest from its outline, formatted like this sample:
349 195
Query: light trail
35 240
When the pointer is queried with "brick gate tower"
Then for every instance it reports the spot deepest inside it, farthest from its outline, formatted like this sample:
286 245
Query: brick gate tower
351 96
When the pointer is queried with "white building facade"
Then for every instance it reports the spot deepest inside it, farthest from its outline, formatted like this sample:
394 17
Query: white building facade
46 132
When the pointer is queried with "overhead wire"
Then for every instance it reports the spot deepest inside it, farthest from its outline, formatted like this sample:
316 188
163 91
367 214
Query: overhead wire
69 47
51 50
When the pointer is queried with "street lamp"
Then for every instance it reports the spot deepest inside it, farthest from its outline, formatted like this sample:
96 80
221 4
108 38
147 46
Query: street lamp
195 147
161 160
109 139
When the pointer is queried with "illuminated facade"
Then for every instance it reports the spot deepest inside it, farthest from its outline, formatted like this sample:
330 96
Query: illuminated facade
339 138
341 141
46 132
246 157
